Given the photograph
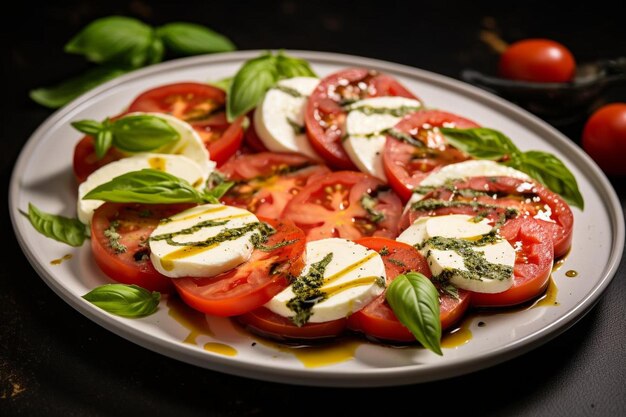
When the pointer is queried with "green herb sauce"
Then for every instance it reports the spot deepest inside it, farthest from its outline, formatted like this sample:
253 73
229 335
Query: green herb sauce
114 237
307 291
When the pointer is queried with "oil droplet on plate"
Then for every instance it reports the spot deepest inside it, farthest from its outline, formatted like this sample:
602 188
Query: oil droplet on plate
571 273
60 260
192 320
549 298
318 356
220 348
458 336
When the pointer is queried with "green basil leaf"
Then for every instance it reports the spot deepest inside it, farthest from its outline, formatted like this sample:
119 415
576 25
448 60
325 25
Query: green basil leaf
224 83
480 142
141 133
289 67
251 82
124 300
63 229
61 94
214 194
415 302
551 172
155 51
192 39
118 39
147 186
104 139
89 127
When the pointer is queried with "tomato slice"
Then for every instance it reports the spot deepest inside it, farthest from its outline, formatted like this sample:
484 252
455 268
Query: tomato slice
406 165
491 197
269 324
333 206
377 319
325 117
134 223
252 283
202 106
251 138
85 161
533 264
266 182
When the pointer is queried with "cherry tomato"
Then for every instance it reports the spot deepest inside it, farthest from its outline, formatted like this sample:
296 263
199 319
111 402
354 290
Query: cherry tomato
539 60
604 138
406 165
252 283
377 319
134 223
266 182
325 117
202 106
334 205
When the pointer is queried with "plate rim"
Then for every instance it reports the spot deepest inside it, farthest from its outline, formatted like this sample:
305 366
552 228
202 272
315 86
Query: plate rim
324 376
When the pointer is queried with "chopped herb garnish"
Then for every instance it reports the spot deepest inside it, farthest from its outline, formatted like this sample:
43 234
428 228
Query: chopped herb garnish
384 251
114 237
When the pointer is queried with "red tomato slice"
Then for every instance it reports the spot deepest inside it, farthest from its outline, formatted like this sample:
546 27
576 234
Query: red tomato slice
251 138
377 319
407 165
269 324
202 106
332 206
325 117
528 198
533 264
266 182
252 283
134 223
85 161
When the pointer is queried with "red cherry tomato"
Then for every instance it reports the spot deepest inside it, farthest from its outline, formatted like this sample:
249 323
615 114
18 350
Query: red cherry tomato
604 137
540 60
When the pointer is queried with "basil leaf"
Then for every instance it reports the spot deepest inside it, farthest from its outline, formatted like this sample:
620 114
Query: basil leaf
551 172
124 300
63 229
90 127
140 133
224 83
251 82
192 39
213 195
480 142
415 302
289 67
155 52
118 39
61 94
147 186
104 139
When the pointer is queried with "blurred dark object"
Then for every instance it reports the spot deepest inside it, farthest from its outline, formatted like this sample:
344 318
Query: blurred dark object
558 103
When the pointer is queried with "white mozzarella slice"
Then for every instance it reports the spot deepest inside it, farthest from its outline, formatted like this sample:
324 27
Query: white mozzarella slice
365 125
184 255
279 119
462 228
466 169
190 144
177 165
353 277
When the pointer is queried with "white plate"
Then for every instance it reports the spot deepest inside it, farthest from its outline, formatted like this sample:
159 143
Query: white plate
43 176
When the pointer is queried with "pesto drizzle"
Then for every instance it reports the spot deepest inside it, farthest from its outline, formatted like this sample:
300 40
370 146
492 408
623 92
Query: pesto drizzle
431 204
397 111
297 129
288 90
307 291
114 237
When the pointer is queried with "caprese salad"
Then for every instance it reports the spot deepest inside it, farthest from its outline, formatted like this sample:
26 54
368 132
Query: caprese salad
307 207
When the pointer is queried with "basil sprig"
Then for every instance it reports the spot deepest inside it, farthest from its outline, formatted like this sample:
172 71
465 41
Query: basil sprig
134 133
121 44
149 186
124 300
543 166
415 302
63 229
258 75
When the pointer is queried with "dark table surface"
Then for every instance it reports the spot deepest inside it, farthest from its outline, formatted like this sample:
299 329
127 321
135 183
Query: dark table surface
55 362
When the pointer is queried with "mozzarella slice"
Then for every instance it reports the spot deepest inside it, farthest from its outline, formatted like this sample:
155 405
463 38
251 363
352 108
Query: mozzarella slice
279 119
353 277
365 125
190 144
466 169
450 244
177 165
203 241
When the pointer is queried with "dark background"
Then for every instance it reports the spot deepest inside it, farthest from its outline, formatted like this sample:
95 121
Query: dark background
55 362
